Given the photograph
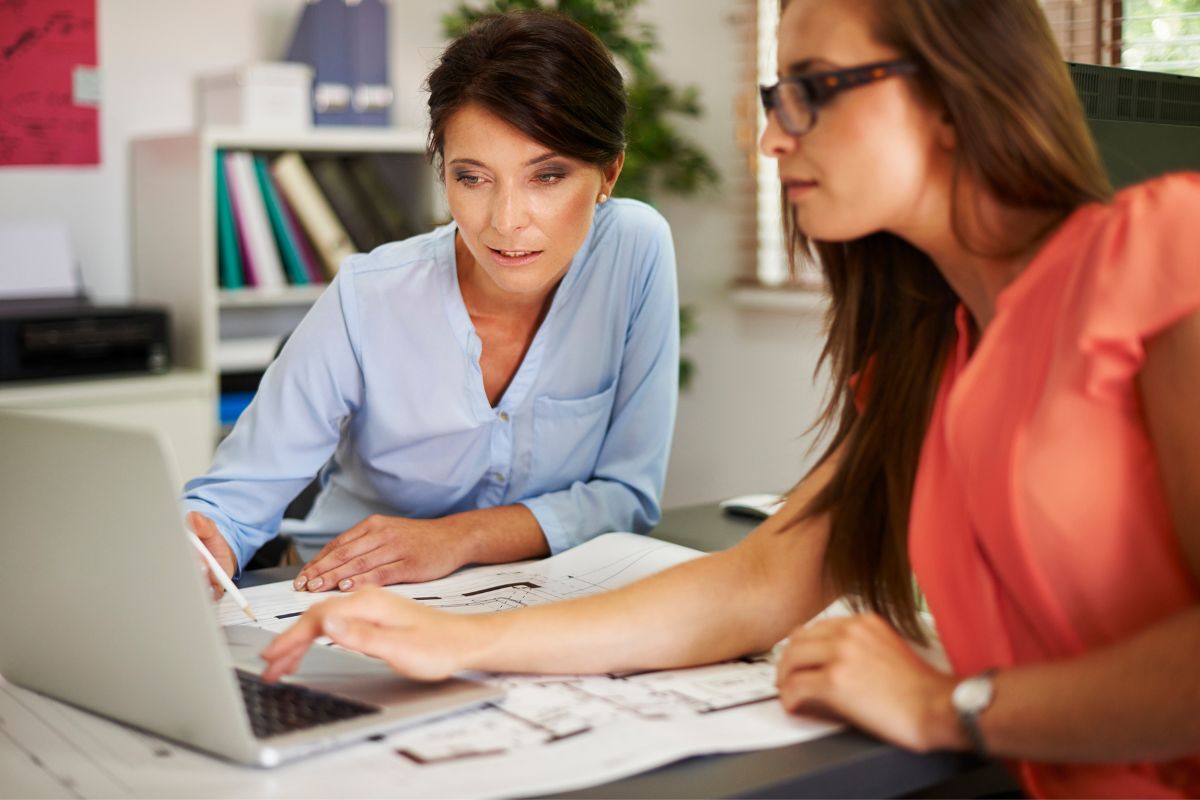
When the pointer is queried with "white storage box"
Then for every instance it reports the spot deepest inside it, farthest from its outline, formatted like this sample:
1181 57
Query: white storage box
274 96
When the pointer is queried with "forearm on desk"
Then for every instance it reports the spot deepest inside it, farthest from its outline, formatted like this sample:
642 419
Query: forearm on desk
728 604
499 535
1137 699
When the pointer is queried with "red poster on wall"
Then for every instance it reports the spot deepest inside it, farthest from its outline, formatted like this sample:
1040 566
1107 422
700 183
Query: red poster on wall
49 84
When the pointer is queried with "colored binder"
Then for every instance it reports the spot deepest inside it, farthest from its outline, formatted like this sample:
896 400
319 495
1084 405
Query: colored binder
248 273
313 210
312 262
253 221
372 96
228 255
391 215
356 215
285 239
410 181
322 41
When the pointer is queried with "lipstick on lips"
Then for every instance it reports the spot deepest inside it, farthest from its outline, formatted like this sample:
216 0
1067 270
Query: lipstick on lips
514 258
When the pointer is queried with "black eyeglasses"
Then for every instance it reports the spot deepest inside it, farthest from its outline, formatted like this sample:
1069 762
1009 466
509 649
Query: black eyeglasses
795 99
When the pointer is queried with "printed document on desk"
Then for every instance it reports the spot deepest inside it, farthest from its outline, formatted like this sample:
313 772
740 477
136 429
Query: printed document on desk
550 733
606 562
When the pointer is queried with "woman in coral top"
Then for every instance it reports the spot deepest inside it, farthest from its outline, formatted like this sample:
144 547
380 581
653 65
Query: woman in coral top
1019 357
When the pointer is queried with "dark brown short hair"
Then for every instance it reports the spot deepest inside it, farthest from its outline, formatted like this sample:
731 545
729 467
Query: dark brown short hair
544 74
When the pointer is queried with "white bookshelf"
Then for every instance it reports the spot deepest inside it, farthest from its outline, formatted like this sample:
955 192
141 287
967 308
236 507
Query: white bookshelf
175 241
258 298
319 139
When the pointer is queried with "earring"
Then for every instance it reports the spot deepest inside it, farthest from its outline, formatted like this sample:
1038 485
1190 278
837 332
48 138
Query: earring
602 198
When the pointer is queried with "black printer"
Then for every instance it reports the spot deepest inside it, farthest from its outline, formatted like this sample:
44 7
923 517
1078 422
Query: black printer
59 337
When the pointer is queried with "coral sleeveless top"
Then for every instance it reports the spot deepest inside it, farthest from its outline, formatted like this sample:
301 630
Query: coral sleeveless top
1039 526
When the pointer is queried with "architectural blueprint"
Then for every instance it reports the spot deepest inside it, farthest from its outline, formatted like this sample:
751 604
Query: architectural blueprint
549 734
606 562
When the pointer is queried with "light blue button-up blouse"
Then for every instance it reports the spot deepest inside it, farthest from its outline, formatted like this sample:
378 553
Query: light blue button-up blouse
379 390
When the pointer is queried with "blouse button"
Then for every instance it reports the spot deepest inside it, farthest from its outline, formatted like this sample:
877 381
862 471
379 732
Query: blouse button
504 416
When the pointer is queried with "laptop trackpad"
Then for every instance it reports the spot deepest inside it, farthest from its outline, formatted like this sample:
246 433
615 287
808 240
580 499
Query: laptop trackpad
329 669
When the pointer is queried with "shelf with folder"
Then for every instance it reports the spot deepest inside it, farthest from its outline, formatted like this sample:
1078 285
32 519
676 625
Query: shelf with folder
179 255
247 354
257 298
345 139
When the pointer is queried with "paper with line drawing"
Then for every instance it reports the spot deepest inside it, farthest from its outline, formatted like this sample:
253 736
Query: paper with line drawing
550 734
603 563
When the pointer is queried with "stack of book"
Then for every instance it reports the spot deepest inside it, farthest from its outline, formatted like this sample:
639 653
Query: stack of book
290 220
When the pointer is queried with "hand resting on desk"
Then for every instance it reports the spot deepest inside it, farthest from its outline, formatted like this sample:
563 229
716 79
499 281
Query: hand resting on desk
382 550
833 667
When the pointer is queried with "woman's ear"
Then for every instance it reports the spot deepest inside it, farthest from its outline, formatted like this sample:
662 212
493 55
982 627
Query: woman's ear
610 173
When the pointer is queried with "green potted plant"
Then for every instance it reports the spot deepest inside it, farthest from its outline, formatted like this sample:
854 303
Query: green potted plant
657 157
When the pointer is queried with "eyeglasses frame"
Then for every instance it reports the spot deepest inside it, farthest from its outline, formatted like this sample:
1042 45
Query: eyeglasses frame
820 87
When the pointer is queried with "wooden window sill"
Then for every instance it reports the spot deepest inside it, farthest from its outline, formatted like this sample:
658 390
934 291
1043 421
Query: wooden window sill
806 299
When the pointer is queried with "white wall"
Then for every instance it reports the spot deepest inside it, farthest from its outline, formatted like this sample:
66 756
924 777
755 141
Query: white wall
150 52
740 426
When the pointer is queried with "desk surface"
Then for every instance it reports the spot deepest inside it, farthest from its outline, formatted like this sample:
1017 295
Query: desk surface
847 764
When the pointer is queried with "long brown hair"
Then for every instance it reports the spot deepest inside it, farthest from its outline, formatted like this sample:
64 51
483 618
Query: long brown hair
994 68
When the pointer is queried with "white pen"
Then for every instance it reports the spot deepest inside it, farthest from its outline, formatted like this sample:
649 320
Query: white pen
216 569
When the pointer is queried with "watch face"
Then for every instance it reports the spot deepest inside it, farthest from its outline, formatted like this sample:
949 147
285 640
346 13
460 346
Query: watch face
972 695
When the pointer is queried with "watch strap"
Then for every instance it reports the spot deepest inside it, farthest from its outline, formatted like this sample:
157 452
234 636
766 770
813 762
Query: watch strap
969 718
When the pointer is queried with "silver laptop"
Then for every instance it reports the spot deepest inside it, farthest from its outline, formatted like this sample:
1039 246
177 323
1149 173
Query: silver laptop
104 607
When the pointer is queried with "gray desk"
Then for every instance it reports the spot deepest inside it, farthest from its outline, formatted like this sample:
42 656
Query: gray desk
848 764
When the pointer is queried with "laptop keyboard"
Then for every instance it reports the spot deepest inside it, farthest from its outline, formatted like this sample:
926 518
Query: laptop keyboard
277 708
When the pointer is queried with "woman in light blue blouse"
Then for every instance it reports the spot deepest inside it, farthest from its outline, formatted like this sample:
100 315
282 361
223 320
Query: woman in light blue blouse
500 388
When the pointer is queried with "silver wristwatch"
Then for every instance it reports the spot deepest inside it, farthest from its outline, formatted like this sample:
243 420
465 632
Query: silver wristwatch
970 698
